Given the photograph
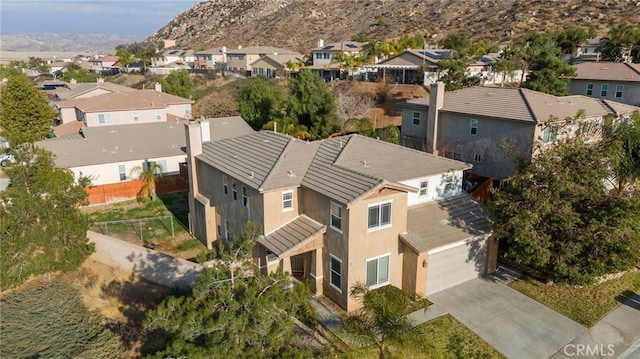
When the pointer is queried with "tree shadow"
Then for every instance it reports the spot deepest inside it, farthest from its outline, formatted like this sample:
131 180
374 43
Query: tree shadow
629 298
178 204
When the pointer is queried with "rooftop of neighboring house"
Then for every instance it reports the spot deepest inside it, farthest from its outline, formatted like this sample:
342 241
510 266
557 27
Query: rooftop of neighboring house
343 168
215 51
350 46
518 104
72 89
178 53
100 145
262 50
608 71
124 101
281 59
431 56
108 58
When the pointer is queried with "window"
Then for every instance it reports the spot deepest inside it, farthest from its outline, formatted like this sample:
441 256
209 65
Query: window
589 89
225 185
104 118
136 117
448 182
187 109
163 167
619 89
245 200
415 119
477 157
287 201
123 172
453 155
158 115
326 55
549 134
234 190
318 55
379 215
424 185
336 216
336 272
378 271
227 231
603 90
473 124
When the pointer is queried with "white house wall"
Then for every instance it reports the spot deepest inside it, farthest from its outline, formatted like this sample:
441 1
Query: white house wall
435 189
182 110
108 173
126 117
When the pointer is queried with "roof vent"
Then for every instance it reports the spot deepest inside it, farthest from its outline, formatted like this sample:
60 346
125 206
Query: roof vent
290 173
251 174
364 163
130 149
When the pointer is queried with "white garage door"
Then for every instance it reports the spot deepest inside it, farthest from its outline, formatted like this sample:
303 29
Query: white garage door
455 264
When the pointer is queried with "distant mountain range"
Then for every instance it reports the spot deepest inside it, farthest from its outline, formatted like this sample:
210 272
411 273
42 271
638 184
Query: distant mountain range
62 42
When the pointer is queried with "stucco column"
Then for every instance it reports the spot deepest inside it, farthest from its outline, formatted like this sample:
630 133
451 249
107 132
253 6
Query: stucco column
285 263
316 271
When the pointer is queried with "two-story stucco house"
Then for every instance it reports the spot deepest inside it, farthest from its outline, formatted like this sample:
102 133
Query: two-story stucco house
323 57
339 211
472 124
215 58
616 81
240 59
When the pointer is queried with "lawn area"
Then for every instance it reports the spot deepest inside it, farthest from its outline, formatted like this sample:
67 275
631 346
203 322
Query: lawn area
586 305
169 235
445 337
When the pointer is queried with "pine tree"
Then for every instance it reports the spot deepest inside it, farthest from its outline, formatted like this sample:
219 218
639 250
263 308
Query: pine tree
41 228
25 115
233 311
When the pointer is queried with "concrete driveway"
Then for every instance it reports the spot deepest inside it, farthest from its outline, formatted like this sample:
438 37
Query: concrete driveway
514 324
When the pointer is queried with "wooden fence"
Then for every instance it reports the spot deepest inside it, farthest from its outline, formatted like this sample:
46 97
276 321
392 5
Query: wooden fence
116 192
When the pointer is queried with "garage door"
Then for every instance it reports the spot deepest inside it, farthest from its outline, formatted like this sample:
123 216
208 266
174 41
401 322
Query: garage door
454 264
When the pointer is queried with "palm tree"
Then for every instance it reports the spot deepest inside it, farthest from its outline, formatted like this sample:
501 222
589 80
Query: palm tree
382 318
149 173
124 57
570 40
623 140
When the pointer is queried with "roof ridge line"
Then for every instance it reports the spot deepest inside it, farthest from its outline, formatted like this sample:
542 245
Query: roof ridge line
526 103
290 140
632 68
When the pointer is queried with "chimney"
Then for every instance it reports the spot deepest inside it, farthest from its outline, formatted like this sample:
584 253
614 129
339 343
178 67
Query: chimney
205 130
158 87
194 148
320 43
436 101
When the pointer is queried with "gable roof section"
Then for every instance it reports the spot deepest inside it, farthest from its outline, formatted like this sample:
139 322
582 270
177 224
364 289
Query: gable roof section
123 101
278 60
119 143
292 235
262 50
77 89
351 46
608 71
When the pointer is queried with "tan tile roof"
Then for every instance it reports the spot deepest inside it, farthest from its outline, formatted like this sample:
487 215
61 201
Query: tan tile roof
608 71
123 101
447 221
77 89
280 59
351 46
68 128
292 235
262 50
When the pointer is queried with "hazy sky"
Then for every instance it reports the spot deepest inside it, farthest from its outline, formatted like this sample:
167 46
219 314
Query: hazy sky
118 17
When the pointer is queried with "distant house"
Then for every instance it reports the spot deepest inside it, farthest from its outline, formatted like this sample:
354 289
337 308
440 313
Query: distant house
617 81
586 52
108 154
323 57
275 65
215 58
471 124
340 211
409 66
106 65
112 106
241 59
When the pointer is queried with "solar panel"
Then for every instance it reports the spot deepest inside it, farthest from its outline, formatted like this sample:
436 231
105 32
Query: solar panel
329 47
353 46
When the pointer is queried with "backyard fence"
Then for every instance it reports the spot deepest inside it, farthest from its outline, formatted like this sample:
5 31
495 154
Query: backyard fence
146 229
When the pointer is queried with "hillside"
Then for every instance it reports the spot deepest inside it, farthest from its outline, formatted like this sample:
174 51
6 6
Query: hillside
299 24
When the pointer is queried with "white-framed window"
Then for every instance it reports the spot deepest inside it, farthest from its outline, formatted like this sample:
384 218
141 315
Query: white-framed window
379 215
448 180
187 110
287 201
158 115
104 118
473 126
619 89
336 216
378 271
549 134
604 89
453 155
136 116
245 198
326 55
234 190
415 118
477 157
336 272
123 172
589 89
318 55
227 231
424 186
225 185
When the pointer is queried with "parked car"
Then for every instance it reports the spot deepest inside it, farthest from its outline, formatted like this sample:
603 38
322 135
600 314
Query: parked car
6 159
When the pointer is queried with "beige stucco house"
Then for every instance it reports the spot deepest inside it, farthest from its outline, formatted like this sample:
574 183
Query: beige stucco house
339 211
276 65
616 81
242 58
473 123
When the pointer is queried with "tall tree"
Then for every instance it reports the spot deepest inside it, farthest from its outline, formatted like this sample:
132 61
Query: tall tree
233 311
25 114
149 172
75 72
506 64
260 101
49 320
124 57
622 138
547 72
313 103
179 83
621 44
570 40
557 215
382 318
41 228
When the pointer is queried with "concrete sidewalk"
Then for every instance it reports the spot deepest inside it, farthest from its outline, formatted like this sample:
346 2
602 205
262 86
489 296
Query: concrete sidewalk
514 324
